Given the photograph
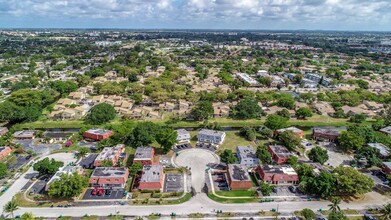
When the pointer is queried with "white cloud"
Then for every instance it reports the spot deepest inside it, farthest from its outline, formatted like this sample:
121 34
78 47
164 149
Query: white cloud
209 11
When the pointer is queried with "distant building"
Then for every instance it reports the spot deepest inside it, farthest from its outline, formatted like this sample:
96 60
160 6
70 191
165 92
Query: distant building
144 155
318 79
247 156
247 79
4 151
24 135
183 136
279 153
278 174
115 177
211 136
386 130
238 177
295 130
3 130
330 134
97 134
383 149
112 154
58 136
152 177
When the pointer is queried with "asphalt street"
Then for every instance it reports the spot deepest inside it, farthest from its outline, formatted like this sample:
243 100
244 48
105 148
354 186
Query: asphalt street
200 203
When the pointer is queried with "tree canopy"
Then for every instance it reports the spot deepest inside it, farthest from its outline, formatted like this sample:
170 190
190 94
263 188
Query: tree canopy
350 141
289 139
166 137
246 109
275 122
3 170
227 156
318 154
263 154
47 166
101 113
202 110
352 182
69 185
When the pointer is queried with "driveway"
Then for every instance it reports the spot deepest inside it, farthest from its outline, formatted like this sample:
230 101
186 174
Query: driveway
198 161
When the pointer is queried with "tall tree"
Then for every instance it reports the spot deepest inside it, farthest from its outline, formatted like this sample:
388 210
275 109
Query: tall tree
47 167
10 207
166 137
263 154
246 109
350 141
101 113
334 206
144 134
323 185
289 139
303 113
202 110
69 185
318 154
227 156
351 182
275 122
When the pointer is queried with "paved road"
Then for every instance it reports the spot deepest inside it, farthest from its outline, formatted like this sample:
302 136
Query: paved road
197 160
200 203
23 180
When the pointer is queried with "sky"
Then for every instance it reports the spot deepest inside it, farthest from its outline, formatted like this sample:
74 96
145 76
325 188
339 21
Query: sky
363 15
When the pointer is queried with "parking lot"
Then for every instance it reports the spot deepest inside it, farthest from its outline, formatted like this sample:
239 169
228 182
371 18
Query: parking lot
21 160
206 146
165 161
173 183
38 187
115 194
180 147
337 158
284 191
220 182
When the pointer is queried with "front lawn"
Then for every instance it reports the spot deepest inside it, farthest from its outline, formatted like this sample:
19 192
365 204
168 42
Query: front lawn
237 193
224 200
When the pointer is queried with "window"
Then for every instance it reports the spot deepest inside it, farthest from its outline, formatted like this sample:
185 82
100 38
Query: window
116 180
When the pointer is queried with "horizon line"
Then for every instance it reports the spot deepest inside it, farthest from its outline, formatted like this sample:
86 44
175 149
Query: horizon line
193 29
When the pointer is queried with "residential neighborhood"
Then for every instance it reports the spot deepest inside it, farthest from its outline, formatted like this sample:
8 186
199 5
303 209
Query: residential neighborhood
98 124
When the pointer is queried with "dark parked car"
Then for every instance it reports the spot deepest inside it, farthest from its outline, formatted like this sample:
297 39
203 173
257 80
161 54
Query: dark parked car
108 192
292 189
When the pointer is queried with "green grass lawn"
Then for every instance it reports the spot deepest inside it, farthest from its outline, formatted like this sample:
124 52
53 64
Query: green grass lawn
223 200
316 120
237 193
233 139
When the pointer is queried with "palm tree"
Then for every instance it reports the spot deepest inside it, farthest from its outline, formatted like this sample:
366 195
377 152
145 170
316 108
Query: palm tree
28 216
11 206
334 206
386 211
